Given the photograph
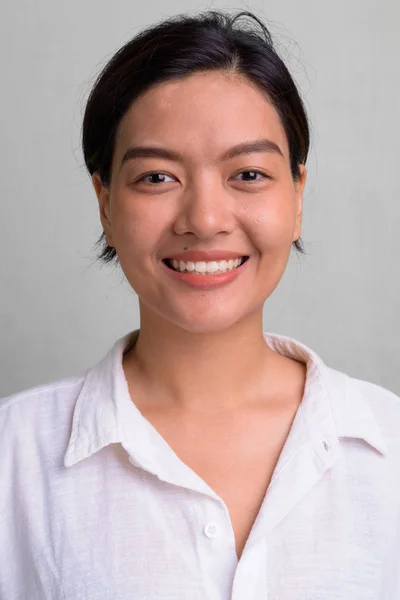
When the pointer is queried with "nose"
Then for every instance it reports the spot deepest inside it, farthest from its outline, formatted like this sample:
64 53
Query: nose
206 208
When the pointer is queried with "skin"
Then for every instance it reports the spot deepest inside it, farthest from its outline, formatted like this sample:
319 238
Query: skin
203 351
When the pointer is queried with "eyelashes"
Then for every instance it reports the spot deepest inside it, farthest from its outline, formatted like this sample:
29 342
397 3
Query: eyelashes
162 173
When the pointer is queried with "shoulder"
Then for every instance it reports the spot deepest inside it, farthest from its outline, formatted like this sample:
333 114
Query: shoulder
363 410
35 427
385 406
40 405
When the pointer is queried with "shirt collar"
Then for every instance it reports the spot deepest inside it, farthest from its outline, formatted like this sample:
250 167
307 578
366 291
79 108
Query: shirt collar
331 397
333 405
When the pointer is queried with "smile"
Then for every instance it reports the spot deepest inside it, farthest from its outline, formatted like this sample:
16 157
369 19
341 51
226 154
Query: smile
205 268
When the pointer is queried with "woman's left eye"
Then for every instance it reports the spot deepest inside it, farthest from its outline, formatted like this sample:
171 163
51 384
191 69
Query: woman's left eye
264 176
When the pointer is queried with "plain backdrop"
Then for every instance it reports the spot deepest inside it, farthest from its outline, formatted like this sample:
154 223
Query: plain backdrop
60 311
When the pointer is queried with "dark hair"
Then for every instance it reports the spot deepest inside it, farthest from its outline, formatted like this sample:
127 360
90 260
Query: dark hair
172 49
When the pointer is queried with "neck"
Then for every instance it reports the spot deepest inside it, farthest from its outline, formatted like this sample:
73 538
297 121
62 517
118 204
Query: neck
172 368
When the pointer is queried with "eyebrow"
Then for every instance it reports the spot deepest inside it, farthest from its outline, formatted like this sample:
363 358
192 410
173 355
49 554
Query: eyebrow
261 145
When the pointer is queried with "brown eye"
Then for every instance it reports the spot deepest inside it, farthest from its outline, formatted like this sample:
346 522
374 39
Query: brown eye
253 174
155 176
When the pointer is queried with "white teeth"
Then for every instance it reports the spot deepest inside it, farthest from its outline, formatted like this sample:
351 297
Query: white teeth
203 268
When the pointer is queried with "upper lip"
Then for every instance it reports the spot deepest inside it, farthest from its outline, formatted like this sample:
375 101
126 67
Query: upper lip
206 255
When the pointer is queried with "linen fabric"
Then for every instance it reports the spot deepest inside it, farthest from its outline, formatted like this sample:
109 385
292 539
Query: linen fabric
95 505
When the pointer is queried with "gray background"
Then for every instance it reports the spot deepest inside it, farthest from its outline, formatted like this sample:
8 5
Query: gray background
60 312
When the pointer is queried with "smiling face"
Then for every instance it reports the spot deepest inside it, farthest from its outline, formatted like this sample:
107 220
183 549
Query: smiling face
246 204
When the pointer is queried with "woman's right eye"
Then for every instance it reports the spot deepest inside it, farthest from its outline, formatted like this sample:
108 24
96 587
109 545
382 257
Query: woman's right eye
154 174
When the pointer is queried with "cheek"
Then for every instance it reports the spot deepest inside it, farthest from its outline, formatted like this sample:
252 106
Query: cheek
270 223
137 227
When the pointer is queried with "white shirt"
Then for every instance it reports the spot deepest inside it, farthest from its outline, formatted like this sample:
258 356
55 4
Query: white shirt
95 505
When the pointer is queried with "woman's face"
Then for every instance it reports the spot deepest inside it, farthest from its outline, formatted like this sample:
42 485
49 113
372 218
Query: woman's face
201 202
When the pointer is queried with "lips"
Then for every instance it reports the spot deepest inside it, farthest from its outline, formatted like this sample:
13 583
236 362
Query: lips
168 263
204 281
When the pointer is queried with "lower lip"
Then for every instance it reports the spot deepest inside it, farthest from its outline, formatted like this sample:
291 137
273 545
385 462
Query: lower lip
206 281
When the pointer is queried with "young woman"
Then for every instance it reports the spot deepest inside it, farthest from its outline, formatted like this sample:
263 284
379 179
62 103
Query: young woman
202 458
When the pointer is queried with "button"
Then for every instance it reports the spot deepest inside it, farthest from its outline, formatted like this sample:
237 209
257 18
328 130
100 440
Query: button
210 530
325 445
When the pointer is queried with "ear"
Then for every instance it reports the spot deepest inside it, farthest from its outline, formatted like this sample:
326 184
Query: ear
299 188
103 196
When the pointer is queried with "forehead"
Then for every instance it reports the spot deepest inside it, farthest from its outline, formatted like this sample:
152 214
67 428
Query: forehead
202 114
